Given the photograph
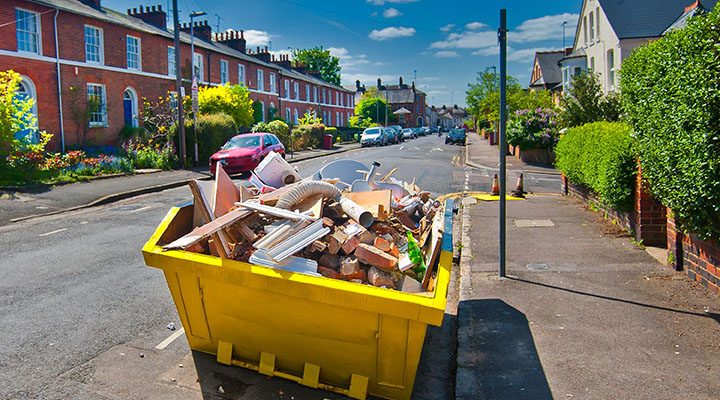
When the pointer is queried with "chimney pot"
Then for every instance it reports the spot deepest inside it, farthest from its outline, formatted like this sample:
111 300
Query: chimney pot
141 9
242 34
401 82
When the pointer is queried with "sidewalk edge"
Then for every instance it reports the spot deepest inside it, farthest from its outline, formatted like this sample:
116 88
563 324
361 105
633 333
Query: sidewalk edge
473 164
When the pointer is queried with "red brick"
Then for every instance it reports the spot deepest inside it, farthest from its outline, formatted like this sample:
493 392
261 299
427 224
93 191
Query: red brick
378 277
382 244
350 244
375 257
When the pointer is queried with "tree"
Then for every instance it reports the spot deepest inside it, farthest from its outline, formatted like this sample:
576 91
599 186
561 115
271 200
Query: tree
15 113
233 100
319 60
372 109
585 103
483 98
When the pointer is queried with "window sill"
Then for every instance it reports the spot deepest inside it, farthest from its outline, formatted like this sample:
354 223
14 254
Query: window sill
98 126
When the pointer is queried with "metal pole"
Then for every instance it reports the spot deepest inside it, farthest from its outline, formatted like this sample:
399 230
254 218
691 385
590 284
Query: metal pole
563 26
178 83
192 55
502 35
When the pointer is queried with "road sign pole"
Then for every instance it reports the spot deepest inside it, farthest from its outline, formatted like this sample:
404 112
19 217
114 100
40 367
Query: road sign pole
502 36
195 108
178 84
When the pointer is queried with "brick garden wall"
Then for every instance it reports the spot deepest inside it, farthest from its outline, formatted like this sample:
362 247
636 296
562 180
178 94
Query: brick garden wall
699 258
626 219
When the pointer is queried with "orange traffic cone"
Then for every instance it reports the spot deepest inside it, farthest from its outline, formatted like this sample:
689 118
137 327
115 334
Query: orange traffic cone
519 192
495 186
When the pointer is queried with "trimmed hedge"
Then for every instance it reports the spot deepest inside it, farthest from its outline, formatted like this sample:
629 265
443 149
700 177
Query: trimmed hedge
307 136
213 131
671 95
600 155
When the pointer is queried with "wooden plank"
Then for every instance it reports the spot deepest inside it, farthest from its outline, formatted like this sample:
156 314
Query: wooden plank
219 239
225 193
434 248
388 175
211 228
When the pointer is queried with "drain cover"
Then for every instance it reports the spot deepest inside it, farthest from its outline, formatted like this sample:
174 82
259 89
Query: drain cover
537 267
533 223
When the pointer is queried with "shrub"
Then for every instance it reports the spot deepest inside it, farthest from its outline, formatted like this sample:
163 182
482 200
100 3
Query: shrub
672 99
278 128
532 129
601 156
15 116
213 130
307 136
233 100
585 103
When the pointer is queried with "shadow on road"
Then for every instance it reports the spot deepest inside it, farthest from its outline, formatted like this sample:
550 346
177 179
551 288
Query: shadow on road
502 361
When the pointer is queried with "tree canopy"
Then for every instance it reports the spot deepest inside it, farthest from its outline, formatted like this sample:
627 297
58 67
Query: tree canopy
233 100
317 59
585 103
483 97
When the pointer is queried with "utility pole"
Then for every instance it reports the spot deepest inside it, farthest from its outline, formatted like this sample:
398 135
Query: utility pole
194 15
563 26
178 83
502 36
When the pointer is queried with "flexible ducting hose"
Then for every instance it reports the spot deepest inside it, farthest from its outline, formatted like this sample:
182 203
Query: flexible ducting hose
307 189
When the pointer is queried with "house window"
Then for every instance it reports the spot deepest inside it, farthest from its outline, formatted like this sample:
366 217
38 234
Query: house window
97 105
577 71
93 45
28 31
296 89
329 119
27 128
315 94
611 69
262 107
337 98
585 29
592 27
133 52
199 66
223 72
597 22
171 61
296 117
307 92
288 115
273 85
261 81
241 74
324 97
287 90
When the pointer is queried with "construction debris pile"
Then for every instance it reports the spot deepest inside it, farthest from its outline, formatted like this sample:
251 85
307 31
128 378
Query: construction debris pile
340 223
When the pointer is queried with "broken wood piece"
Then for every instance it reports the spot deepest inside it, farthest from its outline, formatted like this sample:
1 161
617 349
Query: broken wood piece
209 229
317 246
388 175
219 238
299 241
434 250
247 233
225 193
271 198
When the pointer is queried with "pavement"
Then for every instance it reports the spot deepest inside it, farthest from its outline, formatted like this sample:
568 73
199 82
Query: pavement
583 313
21 203
480 154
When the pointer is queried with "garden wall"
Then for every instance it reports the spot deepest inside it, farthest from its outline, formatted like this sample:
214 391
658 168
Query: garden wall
700 258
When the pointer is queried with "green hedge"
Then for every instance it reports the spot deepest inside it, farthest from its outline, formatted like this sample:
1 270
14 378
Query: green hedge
600 155
213 131
348 134
671 95
278 128
307 136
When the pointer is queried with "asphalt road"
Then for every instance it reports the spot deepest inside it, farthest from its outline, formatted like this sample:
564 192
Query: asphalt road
81 315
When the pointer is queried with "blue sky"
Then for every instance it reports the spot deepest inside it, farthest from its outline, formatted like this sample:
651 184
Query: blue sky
446 41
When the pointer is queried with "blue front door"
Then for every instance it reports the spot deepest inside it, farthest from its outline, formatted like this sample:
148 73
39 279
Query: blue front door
128 107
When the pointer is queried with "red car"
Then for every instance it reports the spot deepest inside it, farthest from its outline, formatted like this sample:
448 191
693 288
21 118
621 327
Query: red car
242 153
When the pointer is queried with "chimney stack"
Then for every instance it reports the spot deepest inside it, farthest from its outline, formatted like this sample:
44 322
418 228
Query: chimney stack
153 15
401 82
263 54
233 39
201 29
283 61
379 85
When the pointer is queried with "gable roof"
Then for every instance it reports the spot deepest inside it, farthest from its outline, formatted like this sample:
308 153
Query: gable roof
640 18
549 68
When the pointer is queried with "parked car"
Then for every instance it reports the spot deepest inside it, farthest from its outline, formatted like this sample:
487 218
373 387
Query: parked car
409 133
393 134
423 131
456 136
242 153
398 130
374 137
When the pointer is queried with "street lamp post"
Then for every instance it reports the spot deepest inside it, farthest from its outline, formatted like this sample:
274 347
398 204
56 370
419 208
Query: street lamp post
193 15
178 84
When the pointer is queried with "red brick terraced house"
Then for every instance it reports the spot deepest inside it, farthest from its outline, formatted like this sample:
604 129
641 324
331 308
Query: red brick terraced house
69 51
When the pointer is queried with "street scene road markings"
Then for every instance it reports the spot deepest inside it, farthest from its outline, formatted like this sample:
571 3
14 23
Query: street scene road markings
140 209
402 147
165 343
53 232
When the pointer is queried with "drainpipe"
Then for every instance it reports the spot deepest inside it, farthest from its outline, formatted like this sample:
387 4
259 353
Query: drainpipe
59 85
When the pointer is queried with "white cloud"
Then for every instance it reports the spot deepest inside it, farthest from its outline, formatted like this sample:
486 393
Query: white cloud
383 2
391 13
548 27
348 62
447 28
476 25
447 54
391 32
467 40
254 38
526 54
488 51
